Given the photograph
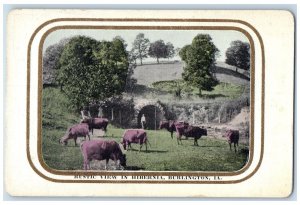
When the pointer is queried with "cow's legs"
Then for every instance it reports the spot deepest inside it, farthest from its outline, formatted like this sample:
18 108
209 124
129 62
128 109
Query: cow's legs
75 138
86 163
196 141
235 147
172 134
117 163
106 163
179 140
229 145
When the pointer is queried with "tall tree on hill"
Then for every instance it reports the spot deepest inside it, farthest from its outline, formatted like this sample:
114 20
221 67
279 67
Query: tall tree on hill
158 49
141 46
91 70
170 50
199 58
238 54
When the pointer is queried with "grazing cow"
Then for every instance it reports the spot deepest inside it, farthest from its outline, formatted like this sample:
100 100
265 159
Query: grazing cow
96 123
232 137
189 131
137 136
170 125
78 130
102 150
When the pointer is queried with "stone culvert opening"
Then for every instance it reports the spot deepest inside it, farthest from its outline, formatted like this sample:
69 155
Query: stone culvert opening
153 116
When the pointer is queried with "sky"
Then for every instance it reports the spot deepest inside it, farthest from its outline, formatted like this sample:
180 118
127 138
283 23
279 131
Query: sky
178 38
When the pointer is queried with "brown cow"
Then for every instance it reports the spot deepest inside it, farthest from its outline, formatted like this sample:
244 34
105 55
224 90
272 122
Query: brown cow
189 131
137 136
232 137
102 150
170 125
78 130
96 123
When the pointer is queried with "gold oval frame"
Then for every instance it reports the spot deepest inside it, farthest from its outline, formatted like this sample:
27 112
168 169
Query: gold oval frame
145 173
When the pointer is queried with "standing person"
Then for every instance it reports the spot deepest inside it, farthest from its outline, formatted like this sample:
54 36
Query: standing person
143 121
100 112
85 113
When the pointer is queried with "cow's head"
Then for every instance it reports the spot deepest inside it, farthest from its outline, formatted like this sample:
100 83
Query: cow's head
163 125
123 160
204 132
122 156
122 145
63 141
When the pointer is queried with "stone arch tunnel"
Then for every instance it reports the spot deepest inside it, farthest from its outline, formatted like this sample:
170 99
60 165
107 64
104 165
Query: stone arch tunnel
153 112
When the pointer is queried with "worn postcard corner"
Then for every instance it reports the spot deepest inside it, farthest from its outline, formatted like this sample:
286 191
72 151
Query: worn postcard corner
167 103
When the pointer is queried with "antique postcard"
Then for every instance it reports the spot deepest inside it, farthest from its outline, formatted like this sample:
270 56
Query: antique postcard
168 103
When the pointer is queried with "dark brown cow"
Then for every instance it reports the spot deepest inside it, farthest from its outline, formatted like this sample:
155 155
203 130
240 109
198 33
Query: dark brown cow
170 125
232 137
96 123
137 136
189 131
102 150
78 130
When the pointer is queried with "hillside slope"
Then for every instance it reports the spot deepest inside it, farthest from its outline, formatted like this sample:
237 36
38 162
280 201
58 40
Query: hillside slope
147 74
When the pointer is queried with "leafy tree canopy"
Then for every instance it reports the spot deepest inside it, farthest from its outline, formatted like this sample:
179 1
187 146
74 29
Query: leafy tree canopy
238 54
159 49
141 46
199 58
91 70
51 60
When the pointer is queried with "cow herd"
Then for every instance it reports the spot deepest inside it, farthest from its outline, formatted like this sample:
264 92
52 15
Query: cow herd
101 149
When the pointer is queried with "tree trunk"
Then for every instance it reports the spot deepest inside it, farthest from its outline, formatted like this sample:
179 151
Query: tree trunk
141 61
157 60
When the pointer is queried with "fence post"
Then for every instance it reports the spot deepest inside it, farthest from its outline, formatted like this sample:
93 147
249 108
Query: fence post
193 118
155 117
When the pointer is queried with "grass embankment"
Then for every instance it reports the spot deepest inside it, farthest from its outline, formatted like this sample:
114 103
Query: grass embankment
163 155
226 90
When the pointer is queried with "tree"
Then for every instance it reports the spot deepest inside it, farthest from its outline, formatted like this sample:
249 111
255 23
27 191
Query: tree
92 71
238 54
200 58
170 50
158 50
51 61
183 52
141 46
122 40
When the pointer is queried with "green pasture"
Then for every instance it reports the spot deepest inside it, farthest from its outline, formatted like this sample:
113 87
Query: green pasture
164 154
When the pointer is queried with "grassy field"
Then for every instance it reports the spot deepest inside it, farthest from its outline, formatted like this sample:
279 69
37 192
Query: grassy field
227 90
150 73
163 155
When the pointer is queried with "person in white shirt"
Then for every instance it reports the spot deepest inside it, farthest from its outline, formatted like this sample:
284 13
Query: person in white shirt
143 121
